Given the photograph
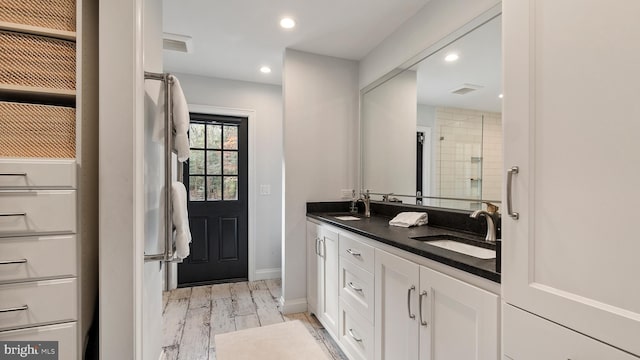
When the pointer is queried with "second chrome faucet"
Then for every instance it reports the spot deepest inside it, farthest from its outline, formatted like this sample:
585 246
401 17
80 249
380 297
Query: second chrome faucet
491 223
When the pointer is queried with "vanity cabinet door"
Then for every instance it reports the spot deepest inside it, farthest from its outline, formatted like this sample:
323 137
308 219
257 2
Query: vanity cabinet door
570 115
328 311
396 307
312 267
457 320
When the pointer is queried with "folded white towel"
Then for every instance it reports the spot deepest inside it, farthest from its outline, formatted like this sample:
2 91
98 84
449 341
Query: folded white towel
180 120
180 218
408 219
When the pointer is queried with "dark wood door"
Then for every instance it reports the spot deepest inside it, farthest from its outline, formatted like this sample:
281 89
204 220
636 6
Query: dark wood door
216 175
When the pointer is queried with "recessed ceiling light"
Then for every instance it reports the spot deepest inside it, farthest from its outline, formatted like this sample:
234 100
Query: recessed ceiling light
287 23
500 96
451 57
265 70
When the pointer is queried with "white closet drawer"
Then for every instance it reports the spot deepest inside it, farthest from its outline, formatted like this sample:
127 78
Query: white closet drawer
23 173
64 334
530 337
356 288
37 302
33 257
358 252
37 211
356 334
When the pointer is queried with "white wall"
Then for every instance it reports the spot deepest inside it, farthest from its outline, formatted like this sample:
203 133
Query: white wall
437 19
121 197
320 151
152 284
389 136
266 100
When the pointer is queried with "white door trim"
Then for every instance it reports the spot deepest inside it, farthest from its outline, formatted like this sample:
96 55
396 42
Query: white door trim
251 115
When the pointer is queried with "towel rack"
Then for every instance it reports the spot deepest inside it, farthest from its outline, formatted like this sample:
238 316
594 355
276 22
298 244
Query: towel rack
169 245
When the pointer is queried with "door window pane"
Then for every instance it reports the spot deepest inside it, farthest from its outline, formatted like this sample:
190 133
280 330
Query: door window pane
196 188
230 137
214 136
213 163
196 135
230 163
196 162
214 188
231 188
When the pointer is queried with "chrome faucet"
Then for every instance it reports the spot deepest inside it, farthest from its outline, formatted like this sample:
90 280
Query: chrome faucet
491 226
365 198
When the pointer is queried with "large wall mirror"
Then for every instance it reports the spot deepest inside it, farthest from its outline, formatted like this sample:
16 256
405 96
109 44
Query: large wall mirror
433 128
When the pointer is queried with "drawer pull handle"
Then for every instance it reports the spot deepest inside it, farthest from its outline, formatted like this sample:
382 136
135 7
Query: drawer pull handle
13 214
354 336
354 287
19 308
412 288
422 294
13 174
9 262
353 252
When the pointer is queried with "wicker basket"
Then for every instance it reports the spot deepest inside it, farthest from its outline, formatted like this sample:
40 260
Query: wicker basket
51 14
28 130
37 61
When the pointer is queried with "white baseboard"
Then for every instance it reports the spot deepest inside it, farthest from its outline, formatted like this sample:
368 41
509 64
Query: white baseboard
264 274
293 306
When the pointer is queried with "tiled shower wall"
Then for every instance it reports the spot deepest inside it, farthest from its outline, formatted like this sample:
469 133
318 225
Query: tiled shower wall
468 155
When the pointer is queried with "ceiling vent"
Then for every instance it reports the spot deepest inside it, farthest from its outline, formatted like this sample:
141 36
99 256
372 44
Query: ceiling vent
465 89
175 42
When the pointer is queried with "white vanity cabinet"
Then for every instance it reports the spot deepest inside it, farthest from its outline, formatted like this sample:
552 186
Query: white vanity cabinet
425 314
570 115
322 275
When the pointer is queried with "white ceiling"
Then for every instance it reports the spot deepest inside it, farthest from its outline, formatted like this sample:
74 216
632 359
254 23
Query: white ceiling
480 63
232 39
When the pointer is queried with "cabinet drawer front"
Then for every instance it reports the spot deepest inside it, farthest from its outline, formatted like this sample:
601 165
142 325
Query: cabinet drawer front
37 302
356 334
64 334
529 337
33 257
358 252
24 173
356 288
32 212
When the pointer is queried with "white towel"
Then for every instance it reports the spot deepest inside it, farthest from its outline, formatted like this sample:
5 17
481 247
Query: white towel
180 218
408 219
180 120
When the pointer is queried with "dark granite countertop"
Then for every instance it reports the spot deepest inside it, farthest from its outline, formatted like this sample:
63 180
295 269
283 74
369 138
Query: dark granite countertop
377 228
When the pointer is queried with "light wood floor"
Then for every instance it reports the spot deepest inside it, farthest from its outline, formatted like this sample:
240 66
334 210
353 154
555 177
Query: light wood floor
193 316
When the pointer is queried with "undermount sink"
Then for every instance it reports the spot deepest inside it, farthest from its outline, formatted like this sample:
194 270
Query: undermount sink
461 245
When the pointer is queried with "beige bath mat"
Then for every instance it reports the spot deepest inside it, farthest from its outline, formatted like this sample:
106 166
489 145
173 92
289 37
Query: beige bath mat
284 341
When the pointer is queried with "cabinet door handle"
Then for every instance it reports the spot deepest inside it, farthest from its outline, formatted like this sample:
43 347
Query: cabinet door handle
18 308
354 336
9 262
317 242
354 253
422 294
13 214
323 250
514 170
354 287
412 288
13 174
